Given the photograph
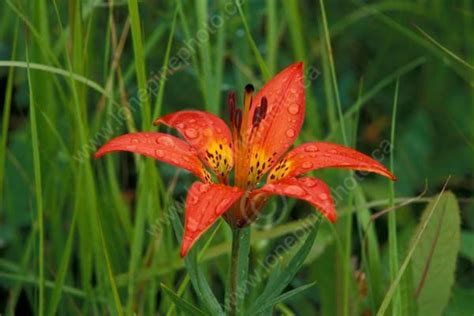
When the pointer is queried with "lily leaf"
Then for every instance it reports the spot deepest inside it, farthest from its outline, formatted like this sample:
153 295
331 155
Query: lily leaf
181 303
278 283
434 261
285 296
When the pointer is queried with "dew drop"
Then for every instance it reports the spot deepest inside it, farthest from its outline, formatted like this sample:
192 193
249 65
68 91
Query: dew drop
308 182
222 204
192 224
135 141
323 196
191 133
294 190
204 188
290 132
307 164
333 151
191 121
159 153
311 148
165 141
270 187
180 125
294 109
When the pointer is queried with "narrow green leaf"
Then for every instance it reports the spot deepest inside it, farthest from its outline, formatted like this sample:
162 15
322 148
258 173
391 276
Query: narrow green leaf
38 189
63 266
139 61
253 45
164 72
392 217
181 303
283 297
278 284
370 249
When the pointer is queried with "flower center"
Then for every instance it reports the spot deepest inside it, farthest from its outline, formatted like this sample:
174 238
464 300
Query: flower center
250 165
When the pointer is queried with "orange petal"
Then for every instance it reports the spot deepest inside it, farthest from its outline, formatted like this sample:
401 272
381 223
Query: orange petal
309 189
208 134
284 116
311 156
159 146
204 204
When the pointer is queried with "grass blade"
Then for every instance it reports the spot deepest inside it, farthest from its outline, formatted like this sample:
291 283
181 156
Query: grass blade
38 190
392 217
261 63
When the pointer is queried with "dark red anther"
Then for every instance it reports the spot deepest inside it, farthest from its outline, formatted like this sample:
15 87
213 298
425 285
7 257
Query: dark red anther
263 107
238 119
257 117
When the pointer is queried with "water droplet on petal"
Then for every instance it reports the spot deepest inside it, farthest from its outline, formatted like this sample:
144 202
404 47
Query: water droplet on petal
135 141
165 140
222 204
191 121
204 188
311 148
290 132
159 153
333 151
270 187
191 133
308 182
323 196
307 164
294 190
293 109
180 125
192 224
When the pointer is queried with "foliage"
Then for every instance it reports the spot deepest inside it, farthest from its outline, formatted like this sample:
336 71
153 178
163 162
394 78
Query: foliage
79 236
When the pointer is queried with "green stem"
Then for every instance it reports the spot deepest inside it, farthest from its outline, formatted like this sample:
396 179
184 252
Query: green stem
234 271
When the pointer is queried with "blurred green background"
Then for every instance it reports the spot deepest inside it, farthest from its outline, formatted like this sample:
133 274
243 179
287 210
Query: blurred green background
79 236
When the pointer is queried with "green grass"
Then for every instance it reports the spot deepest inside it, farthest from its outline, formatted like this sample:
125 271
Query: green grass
80 236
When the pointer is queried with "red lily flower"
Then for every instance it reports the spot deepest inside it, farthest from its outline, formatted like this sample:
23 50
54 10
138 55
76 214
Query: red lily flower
254 147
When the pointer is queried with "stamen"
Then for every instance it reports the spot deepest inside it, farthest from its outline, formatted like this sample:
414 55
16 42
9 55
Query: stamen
238 119
256 116
264 106
247 105
249 89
